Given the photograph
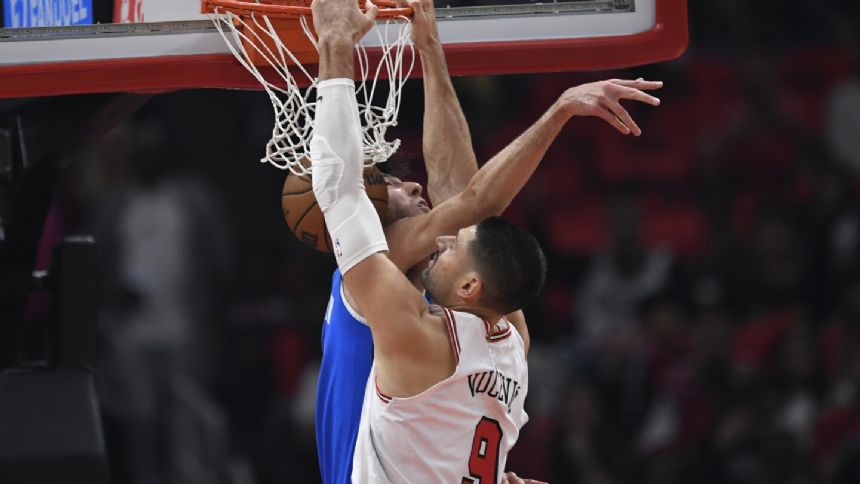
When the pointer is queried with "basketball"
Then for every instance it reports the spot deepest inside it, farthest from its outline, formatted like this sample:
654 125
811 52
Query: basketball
303 214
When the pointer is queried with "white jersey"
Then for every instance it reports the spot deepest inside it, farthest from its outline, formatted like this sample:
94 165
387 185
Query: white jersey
459 430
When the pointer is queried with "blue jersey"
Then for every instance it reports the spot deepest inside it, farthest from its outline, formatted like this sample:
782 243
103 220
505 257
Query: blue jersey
347 357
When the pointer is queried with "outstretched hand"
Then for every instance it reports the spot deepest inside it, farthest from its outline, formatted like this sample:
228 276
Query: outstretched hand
342 18
602 98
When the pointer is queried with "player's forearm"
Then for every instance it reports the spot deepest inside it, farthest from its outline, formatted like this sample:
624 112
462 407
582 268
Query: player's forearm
447 143
488 193
494 186
336 158
336 57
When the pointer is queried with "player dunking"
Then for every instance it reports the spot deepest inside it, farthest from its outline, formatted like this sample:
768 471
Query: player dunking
328 147
420 434
411 231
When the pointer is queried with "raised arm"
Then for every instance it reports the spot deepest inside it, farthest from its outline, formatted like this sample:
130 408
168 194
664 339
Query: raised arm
494 186
447 144
394 309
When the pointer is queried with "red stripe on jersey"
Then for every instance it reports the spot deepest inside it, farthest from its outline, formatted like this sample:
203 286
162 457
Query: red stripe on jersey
385 398
501 334
454 325
452 333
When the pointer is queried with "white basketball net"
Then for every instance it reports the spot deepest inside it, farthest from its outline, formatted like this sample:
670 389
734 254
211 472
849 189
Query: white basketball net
295 107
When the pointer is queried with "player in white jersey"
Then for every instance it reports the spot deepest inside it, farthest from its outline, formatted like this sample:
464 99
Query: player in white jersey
459 430
482 273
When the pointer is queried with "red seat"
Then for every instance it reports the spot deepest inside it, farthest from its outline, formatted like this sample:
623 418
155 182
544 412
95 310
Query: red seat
675 223
577 227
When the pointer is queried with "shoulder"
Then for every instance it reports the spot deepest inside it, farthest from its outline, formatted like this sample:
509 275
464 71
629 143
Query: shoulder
465 328
410 365
421 338
438 319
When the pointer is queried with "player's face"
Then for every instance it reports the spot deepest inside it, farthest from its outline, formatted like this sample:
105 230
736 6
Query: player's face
404 199
447 265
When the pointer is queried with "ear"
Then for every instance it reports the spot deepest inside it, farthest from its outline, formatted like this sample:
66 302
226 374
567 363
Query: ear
470 287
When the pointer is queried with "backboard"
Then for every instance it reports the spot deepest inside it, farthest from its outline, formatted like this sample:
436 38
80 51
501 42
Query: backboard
52 47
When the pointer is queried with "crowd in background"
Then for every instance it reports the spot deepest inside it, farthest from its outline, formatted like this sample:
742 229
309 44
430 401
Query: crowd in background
701 318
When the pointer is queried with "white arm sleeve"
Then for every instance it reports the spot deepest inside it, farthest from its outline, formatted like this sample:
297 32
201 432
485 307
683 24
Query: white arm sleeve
336 156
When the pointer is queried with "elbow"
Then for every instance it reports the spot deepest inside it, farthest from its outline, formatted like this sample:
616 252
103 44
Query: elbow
482 204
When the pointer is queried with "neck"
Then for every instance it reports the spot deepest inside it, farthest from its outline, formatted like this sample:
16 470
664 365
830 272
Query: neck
482 313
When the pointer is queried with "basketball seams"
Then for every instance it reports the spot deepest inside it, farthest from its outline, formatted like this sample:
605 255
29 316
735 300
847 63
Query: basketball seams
303 215
289 194
304 218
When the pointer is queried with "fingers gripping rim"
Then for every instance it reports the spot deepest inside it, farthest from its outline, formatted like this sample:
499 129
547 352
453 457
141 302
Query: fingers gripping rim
258 39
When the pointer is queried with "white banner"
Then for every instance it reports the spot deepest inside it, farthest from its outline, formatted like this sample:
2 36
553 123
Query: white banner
134 11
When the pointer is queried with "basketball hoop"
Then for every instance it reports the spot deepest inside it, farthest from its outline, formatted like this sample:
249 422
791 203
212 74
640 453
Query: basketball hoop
279 34
388 9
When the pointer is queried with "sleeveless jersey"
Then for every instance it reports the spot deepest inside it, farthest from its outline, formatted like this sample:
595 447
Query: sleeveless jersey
459 430
347 357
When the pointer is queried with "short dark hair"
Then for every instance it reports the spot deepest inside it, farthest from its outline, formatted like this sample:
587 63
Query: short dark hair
399 165
511 263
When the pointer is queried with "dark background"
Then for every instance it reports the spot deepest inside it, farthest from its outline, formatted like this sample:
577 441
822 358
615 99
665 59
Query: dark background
700 323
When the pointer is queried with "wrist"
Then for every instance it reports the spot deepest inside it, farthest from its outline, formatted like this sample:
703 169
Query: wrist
430 46
335 41
336 57
562 111
433 62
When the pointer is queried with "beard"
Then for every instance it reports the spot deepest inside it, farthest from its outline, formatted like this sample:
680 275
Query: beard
429 284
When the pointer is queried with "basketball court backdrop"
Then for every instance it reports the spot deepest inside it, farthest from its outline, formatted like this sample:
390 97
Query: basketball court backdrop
120 53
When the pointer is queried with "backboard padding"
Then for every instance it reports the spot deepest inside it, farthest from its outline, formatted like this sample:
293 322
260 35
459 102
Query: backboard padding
143 58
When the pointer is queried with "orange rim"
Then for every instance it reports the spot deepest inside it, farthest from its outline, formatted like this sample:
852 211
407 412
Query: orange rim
388 9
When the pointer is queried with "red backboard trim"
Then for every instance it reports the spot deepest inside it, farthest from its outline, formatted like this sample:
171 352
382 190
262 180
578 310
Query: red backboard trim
667 40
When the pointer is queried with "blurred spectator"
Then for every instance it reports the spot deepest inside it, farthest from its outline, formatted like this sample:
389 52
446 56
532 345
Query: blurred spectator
843 121
620 278
165 253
